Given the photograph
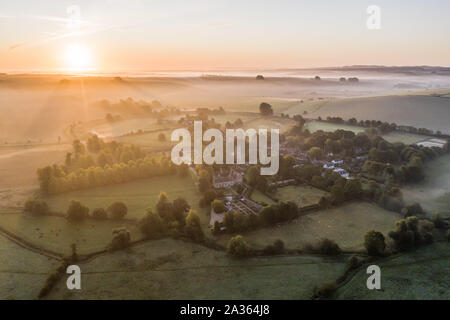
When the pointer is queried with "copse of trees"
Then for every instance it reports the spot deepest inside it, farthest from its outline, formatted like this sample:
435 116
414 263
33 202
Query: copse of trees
411 232
238 247
265 109
171 218
121 239
36 208
55 179
117 210
374 243
193 226
77 211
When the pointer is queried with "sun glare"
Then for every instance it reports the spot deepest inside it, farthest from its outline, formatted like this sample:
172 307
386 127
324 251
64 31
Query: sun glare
77 58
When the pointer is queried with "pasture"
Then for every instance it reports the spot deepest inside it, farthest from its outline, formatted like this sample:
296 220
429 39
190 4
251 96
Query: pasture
260 197
57 234
22 272
421 111
346 224
137 195
434 192
18 178
302 195
422 274
161 269
314 126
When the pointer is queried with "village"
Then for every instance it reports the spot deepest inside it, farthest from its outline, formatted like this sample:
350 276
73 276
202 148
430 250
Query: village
225 180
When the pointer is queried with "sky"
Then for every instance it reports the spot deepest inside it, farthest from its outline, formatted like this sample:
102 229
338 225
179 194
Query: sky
145 35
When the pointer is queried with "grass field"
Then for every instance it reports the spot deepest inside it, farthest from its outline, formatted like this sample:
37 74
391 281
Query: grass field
422 111
138 195
57 234
258 196
346 225
18 164
149 140
396 136
302 195
22 272
314 126
170 269
270 123
405 137
423 274
118 128
434 193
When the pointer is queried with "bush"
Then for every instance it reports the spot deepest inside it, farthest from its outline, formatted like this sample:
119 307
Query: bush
374 243
36 207
411 232
448 235
237 247
117 210
77 211
218 206
353 263
152 225
193 226
326 290
328 247
99 214
121 239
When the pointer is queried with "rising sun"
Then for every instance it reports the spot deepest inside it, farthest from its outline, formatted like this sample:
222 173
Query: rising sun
77 58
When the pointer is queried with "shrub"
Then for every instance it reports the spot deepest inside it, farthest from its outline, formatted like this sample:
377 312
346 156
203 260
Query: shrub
152 225
99 214
237 247
353 262
218 206
328 247
121 239
77 211
326 290
374 243
448 235
193 227
411 232
117 210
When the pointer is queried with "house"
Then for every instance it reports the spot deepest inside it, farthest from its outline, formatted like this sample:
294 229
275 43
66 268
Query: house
227 179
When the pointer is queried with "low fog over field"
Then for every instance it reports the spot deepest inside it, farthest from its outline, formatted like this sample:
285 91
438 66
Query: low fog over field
39 107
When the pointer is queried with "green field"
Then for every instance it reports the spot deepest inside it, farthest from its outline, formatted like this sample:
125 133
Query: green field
138 195
170 269
118 128
258 196
434 193
149 140
302 195
423 274
18 164
421 111
57 234
270 123
22 272
314 126
346 224
404 137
